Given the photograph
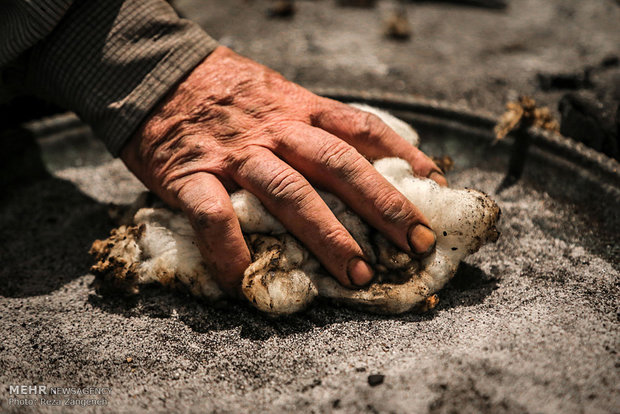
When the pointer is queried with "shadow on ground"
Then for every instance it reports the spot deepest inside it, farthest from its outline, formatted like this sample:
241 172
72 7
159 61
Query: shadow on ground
46 224
469 287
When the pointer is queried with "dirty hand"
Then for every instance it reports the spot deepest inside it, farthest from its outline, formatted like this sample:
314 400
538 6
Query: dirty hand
234 123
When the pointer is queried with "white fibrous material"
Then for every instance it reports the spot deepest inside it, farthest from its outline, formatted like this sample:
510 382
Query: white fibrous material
398 125
158 246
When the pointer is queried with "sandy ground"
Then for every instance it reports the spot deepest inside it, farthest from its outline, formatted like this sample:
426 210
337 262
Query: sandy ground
480 57
529 324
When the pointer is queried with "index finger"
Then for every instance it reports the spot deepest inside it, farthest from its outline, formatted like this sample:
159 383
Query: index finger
339 168
373 138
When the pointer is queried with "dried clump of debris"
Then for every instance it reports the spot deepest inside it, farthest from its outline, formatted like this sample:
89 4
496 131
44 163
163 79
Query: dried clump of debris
396 24
524 113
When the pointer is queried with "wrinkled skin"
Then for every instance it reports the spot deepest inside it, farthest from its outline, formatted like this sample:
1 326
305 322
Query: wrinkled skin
233 123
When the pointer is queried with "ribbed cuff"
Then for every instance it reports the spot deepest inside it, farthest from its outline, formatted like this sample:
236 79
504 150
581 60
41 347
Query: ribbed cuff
112 61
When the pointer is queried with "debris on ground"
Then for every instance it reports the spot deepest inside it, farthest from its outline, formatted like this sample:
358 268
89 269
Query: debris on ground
589 110
445 162
489 4
585 118
367 4
396 24
566 80
281 9
524 113
375 379
580 79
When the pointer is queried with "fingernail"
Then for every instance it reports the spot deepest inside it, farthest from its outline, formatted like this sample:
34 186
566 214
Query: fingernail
439 178
422 239
360 272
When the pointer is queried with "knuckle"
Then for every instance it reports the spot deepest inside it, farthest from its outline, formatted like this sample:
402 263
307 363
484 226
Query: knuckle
342 159
367 125
336 154
288 186
211 212
394 207
237 160
244 160
339 241
181 187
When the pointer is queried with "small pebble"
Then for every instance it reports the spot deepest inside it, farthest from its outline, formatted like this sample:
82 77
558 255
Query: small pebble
375 379
281 9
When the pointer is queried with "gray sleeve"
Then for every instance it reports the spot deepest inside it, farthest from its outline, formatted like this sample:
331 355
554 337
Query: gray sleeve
110 61
23 23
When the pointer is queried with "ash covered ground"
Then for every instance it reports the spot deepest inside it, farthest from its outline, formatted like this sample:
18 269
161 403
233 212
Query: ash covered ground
529 324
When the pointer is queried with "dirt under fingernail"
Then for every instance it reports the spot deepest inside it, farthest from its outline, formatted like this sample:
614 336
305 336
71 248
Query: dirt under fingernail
360 273
421 239
439 178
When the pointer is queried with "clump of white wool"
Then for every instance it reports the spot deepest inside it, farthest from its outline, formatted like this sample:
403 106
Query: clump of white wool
284 278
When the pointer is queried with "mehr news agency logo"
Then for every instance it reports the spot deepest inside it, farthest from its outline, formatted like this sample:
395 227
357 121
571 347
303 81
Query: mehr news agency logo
42 395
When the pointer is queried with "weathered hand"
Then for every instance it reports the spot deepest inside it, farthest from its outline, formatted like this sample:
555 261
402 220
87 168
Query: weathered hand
234 123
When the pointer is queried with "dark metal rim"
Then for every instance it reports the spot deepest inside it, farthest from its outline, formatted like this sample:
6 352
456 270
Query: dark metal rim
481 123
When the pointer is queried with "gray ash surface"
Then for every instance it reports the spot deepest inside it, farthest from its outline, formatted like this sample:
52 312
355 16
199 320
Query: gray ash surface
529 324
